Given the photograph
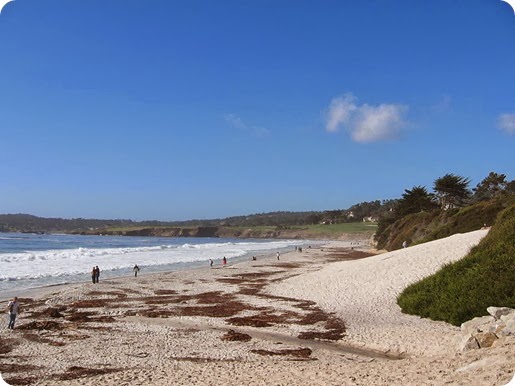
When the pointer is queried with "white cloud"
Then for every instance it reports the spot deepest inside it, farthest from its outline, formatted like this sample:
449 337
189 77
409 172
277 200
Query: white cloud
507 123
377 123
238 123
340 111
364 122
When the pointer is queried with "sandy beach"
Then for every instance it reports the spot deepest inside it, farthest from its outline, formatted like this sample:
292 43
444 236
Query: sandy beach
323 316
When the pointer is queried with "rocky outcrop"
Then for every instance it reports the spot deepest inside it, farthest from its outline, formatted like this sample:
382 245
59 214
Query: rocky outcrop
484 331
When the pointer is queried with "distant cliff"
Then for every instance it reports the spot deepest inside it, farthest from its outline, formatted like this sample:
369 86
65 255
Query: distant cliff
229 232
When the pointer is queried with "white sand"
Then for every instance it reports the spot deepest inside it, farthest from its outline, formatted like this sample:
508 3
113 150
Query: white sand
364 292
187 350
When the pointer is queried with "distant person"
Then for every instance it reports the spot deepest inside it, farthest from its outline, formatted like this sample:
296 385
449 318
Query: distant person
94 275
254 258
97 273
224 261
13 308
211 262
136 270
278 254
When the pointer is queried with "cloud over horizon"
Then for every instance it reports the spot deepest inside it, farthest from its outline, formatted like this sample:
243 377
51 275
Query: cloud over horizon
507 123
364 122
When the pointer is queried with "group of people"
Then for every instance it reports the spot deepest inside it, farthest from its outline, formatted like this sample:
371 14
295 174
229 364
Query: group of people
224 262
95 274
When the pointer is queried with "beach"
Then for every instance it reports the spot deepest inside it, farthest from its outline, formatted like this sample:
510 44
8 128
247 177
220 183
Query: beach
323 316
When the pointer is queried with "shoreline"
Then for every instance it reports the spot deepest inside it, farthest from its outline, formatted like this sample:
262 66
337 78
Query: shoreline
285 322
7 294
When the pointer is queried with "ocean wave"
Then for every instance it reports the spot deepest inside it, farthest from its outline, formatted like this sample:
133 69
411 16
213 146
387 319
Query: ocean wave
76 263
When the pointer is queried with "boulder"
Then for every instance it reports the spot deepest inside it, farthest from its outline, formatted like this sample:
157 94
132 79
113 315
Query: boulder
509 329
496 327
485 331
468 343
508 316
497 312
485 339
479 324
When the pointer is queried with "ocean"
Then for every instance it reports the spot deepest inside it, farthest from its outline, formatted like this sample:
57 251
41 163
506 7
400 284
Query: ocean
29 261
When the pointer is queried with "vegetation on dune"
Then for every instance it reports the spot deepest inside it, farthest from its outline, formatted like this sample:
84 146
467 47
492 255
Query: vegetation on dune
424 226
463 290
421 216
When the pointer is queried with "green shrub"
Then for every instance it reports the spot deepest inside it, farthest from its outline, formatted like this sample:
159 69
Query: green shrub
464 289
468 219
436 224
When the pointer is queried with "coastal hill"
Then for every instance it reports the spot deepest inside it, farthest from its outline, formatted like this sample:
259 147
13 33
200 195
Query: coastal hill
331 224
346 231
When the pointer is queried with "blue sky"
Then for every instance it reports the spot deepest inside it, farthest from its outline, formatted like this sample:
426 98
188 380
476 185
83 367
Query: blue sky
175 110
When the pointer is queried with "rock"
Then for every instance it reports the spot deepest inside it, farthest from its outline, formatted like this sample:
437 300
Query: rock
496 327
509 329
479 324
508 316
468 343
497 312
485 331
485 339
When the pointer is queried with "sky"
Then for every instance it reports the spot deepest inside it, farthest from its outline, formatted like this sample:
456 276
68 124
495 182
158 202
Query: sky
198 109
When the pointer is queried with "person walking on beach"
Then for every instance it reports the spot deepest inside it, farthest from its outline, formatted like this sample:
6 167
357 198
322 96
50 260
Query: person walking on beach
211 262
278 254
97 274
94 275
13 307
224 261
136 270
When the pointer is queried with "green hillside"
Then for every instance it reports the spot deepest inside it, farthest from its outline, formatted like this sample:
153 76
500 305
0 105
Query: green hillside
484 278
431 225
